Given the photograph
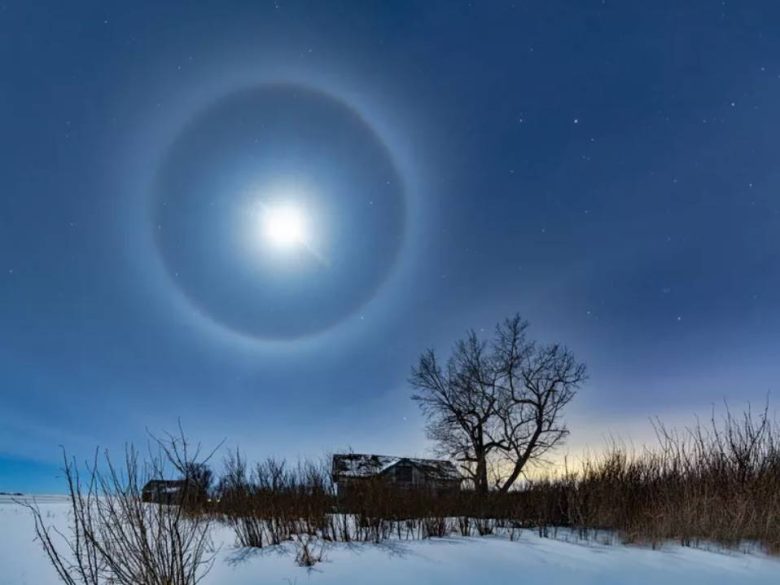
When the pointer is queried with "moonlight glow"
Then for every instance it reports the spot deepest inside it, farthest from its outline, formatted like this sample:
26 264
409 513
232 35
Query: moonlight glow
284 226
289 230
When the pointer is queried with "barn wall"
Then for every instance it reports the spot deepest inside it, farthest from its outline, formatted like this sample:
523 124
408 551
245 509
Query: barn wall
403 476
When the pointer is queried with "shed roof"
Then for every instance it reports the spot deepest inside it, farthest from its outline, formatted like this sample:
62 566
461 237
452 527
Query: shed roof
356 465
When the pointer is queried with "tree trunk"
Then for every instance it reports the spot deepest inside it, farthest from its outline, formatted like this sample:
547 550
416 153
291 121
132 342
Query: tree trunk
522 459
481 456
481 479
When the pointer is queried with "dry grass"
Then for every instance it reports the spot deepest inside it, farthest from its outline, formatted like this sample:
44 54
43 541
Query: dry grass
718 483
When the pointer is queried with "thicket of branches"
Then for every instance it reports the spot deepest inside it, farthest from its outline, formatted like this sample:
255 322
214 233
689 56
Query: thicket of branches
272 502
114 538
716 482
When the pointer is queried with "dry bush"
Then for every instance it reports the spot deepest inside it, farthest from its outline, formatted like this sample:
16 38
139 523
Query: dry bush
306 554
273 503
718 482
115 538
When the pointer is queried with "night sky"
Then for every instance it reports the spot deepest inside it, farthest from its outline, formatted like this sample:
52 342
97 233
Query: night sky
607 169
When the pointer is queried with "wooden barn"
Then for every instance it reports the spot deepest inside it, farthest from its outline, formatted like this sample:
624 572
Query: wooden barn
352 470
172 491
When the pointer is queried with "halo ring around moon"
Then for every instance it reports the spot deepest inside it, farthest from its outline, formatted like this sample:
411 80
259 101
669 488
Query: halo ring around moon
257 143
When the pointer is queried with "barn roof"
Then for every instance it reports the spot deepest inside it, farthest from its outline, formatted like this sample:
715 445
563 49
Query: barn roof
155 483
356 465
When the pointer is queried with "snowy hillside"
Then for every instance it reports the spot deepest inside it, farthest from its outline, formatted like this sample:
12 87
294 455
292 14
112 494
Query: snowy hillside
490 560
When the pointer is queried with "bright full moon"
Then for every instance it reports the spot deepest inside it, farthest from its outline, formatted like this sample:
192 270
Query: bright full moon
284 226
282 240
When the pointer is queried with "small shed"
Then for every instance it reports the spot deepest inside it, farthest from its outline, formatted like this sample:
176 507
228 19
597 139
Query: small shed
172 491
352 470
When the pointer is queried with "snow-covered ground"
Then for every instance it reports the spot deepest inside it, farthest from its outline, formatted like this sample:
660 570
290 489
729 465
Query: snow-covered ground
451 561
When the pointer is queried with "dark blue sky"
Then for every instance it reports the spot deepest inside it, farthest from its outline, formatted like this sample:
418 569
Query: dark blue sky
607 169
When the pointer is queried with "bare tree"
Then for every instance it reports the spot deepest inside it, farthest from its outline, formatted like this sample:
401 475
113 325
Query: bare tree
497 406
460 402
534 384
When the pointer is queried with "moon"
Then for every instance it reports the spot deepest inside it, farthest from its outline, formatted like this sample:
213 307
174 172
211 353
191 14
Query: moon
284 225
278 212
